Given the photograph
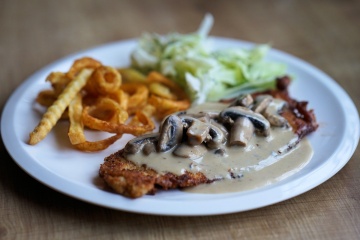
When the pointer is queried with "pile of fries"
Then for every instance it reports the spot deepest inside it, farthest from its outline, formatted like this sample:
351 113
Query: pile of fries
118 101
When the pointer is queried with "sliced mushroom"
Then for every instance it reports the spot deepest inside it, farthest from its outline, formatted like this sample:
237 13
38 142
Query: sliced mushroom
262 102
197 132
261 124
216 137
271 113
244 100
241 132
171 133
192 152
220 126
135 145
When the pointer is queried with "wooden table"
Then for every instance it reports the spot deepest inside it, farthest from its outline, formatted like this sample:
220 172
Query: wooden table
34 33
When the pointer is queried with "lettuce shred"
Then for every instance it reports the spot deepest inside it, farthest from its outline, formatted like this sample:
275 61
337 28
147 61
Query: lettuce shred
206 75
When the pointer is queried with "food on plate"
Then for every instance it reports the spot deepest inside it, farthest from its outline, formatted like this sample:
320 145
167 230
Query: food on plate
165 95
211 143
55 111
168 73
92 95
204 73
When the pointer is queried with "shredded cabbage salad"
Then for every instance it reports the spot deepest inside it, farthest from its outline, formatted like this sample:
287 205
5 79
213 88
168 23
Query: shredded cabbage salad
206 75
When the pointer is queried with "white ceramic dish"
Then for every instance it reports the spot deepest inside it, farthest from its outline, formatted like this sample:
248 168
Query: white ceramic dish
54 163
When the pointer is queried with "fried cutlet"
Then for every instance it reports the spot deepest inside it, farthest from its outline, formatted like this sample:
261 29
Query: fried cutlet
133 181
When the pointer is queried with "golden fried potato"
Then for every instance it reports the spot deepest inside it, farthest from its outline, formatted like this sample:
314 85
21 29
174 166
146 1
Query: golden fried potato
80 64
103 81
54 112
118 101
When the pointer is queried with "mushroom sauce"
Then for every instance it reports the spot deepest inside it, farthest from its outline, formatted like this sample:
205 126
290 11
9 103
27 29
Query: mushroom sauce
242 163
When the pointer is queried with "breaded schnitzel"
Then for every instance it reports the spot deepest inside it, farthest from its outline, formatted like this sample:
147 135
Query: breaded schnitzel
135 180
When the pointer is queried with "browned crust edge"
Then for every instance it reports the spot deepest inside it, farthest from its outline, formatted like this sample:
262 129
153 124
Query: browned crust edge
134 181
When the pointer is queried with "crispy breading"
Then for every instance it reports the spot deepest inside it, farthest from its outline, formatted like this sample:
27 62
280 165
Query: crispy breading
131 180
134 181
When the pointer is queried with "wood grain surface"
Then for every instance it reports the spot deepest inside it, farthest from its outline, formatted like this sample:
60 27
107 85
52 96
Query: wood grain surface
35 33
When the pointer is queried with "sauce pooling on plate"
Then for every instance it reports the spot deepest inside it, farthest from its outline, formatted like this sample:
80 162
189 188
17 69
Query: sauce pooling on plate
238 147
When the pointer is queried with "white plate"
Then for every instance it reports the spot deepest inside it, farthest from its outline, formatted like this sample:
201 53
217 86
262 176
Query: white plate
54 163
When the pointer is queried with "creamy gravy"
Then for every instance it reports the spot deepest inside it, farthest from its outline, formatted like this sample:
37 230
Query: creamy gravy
284 167
264 161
